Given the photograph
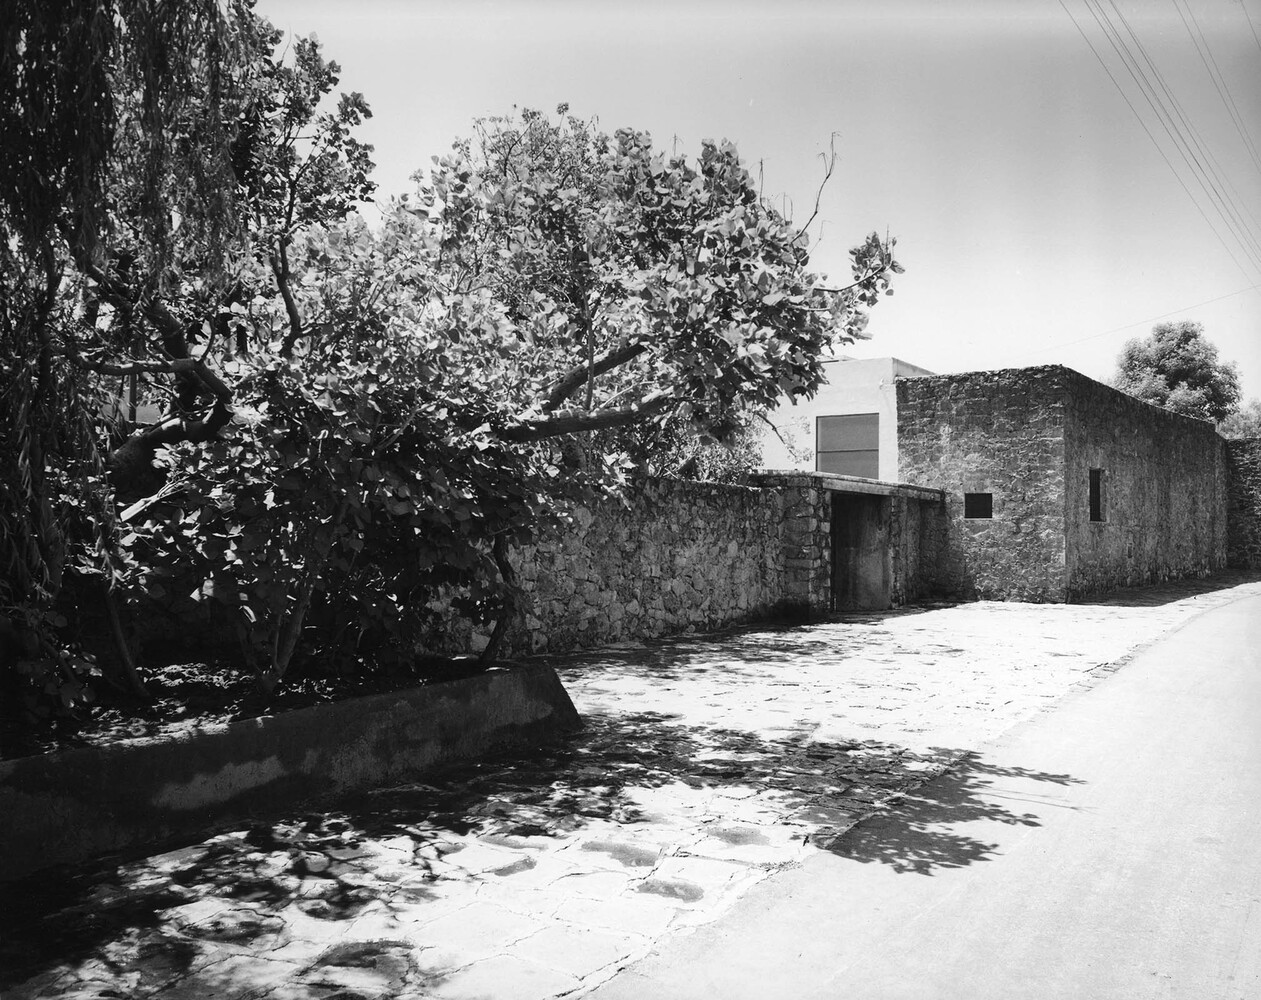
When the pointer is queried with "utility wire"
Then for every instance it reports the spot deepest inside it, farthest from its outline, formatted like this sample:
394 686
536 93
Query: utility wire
1141 322
1185 136
1181 134
1251 26
1239 225
1139 118
1219 81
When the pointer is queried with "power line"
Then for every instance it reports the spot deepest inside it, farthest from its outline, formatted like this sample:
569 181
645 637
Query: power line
1251 26
1141 322
1186 137
1177 128
1139 118
1215 74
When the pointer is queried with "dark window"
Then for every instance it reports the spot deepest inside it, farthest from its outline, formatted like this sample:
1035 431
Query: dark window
849 445
978 505
1096 494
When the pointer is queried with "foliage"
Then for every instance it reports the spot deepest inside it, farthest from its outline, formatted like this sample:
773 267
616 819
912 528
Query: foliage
344 486
1177 368
358 424
154 158
621 285
1244 422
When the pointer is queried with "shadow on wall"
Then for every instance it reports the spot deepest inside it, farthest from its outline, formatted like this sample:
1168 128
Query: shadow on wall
320 864
1157 594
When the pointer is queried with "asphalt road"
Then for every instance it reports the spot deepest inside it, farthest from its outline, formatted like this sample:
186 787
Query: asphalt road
1109 848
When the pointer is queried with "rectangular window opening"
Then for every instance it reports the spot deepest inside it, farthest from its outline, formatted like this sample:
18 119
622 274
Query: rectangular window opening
1096 494
848 444
978 505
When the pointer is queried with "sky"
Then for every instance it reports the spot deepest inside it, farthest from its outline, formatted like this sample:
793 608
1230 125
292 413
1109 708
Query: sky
1045 211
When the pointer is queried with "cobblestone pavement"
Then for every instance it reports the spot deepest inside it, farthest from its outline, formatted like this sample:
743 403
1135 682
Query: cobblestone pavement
707 764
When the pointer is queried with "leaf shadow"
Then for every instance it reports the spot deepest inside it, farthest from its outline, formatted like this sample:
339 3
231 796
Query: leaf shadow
918 832
386 851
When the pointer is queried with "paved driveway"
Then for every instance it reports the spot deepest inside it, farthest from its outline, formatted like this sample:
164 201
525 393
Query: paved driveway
708 764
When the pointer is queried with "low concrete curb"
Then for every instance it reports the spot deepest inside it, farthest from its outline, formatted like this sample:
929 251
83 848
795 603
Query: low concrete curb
67 807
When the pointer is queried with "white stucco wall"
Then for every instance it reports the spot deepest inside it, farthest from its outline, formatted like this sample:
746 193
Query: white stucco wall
853 386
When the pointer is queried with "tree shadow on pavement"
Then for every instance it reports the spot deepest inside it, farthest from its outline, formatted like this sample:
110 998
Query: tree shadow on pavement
752 651
394 848
915 832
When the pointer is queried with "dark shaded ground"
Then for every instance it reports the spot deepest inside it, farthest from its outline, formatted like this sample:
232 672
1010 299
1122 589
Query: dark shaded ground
111 914
1157 594
187 694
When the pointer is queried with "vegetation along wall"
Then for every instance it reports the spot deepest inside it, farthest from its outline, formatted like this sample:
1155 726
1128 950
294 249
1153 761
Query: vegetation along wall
1243 503
994 442
1145 491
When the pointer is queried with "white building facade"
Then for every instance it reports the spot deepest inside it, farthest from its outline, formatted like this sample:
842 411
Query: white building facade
849 428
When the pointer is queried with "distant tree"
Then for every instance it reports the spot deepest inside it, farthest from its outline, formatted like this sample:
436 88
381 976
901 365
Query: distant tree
1177 368
1244 422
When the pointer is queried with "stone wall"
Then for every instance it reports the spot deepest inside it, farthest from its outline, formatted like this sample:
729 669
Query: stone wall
918 541
1243 503
682 556
1030 438
678 556
1163 480
805 541
1001 433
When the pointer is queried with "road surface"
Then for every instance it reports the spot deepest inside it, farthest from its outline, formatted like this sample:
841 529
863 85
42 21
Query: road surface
1110 848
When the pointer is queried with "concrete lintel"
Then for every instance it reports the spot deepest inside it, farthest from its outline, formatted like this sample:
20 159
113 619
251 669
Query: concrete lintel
847 484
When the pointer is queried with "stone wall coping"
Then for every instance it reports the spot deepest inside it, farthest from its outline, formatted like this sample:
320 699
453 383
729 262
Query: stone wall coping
66 807
848 484
1063 372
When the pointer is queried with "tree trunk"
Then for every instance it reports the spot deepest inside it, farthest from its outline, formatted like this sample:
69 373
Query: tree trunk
508 576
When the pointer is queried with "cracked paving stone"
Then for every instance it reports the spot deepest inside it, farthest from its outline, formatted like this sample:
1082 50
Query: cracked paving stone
504 976
196 912
593 884
239 925
478 930
477 859
373 968
639 915
579 951
236 977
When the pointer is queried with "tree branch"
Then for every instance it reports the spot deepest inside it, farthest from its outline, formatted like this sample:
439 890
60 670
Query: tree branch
577 377
829 165
177 366
865 278
118 293
132 462
578 421
280 268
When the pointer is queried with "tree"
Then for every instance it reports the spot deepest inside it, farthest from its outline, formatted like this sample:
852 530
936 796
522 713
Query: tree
613 285
1177 368
75 78
1244 422
156 161
359 424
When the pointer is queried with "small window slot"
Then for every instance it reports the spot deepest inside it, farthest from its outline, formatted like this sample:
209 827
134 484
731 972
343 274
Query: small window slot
1096 494
978 505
